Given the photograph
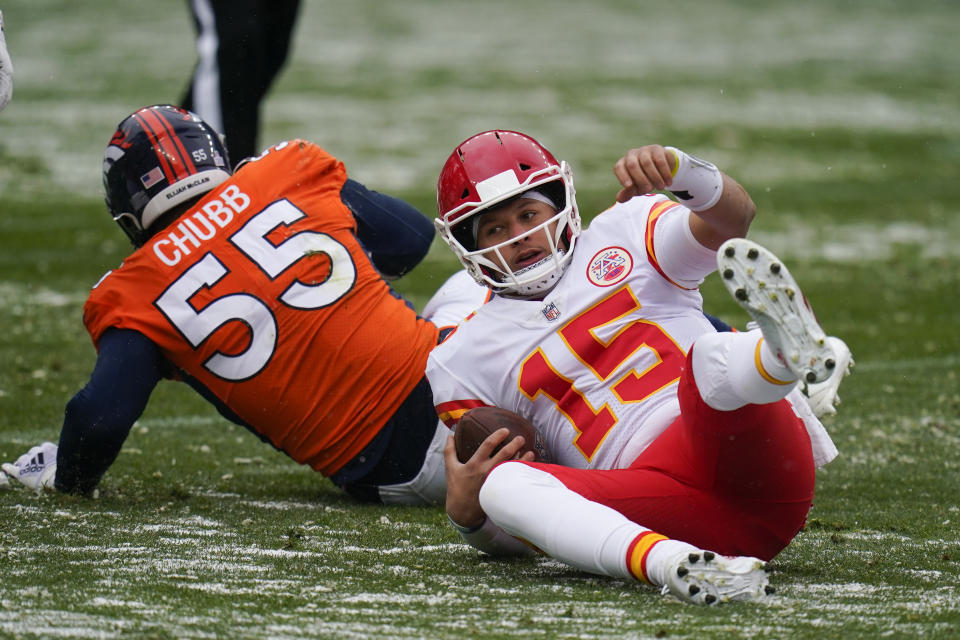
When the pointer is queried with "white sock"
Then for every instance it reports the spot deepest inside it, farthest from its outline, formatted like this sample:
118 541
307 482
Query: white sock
661 557
535 506
733 369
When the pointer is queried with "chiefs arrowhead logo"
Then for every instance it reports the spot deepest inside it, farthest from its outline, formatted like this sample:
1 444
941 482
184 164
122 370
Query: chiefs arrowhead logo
609 266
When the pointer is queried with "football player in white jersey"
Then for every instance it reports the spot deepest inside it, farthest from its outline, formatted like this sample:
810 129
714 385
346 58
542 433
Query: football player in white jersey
683 457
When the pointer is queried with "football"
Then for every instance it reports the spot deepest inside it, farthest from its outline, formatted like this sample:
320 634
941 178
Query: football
478 423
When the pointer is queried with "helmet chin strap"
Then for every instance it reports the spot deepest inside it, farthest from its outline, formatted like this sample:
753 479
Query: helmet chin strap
540 286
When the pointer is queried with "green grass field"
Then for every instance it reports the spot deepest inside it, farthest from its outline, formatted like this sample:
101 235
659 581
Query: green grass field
842 118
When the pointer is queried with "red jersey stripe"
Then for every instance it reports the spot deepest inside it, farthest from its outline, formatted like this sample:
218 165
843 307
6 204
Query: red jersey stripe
451 412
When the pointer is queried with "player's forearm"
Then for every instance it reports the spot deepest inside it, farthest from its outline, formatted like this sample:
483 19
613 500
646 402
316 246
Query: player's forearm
89 443
729 218
98 418
492 540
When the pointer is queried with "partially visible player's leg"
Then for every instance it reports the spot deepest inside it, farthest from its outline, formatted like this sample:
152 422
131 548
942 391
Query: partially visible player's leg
241 47
532 503
403 464
737 440
6 69
756 460
736 492
429 485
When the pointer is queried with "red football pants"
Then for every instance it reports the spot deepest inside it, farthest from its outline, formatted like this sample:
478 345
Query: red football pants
735 482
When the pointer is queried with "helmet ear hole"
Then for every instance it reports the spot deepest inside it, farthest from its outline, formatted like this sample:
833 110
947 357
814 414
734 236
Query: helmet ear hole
131 226
463 233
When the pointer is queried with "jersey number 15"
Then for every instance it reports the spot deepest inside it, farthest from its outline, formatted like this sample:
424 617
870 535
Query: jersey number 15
603 359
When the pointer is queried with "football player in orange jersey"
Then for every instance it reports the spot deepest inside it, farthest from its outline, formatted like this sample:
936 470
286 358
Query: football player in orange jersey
264 289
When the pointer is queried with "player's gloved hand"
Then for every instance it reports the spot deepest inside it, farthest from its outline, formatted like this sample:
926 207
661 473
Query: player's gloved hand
36 468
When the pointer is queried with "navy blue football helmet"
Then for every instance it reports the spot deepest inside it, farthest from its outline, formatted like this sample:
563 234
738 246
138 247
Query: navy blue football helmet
158 158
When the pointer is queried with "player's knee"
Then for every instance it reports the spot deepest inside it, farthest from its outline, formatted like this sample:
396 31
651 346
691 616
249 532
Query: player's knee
503 486
515 487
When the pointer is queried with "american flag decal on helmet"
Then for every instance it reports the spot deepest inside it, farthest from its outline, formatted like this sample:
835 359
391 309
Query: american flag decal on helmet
151 177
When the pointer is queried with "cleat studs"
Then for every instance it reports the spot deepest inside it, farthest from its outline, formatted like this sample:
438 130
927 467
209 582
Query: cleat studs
829 363
682 571
752 254
741 294
761 284
769 590
791 293
728 274
729 252
708 556
774 297
775 268
694 589
694 558
710 598
811 376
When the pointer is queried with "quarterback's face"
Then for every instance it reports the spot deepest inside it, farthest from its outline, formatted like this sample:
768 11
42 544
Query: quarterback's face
508 223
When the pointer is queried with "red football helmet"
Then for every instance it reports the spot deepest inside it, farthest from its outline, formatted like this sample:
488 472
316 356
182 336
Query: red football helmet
485 171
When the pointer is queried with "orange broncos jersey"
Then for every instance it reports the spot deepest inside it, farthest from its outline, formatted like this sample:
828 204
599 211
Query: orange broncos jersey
262 292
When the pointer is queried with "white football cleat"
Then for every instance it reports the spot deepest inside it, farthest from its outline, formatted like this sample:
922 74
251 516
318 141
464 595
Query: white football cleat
761 284
822 396
711 579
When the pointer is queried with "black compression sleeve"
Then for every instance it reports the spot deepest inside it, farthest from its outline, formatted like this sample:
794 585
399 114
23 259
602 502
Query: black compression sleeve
98 418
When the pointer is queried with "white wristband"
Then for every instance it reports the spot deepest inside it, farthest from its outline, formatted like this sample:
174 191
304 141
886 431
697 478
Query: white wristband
697 183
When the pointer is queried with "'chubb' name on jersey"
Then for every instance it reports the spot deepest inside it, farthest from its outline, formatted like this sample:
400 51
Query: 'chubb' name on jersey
202 225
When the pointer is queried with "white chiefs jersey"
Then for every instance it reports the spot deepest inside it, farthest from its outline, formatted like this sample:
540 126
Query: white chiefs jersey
596 363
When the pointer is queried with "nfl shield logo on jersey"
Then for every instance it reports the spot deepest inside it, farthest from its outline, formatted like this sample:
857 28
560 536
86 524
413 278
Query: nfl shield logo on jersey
550 312
609 266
